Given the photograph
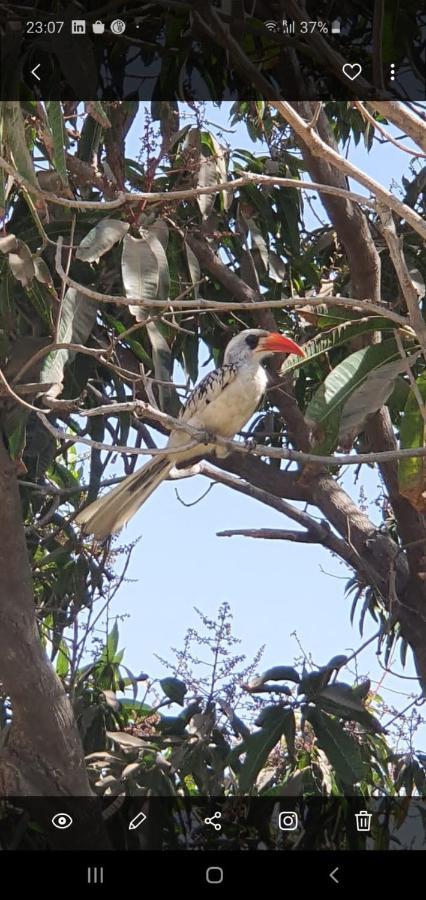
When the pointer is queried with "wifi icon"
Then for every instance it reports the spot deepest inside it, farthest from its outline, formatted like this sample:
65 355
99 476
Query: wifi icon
272 26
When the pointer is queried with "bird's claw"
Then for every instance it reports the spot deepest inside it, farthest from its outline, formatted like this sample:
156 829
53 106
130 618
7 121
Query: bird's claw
250 443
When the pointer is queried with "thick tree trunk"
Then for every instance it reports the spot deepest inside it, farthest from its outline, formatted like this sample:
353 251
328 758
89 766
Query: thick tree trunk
42 753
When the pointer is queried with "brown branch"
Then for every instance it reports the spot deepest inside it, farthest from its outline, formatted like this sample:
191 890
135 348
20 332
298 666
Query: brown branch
410 294
319 148
124 197
319 532
400 115
201 437
272 534
386 134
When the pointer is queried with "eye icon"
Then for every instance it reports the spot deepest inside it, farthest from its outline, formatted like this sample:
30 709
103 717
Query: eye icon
62 821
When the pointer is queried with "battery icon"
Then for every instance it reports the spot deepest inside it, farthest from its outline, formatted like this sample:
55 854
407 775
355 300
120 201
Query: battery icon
335 26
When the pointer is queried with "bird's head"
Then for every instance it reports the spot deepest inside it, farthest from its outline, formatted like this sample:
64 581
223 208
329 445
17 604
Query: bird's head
256 344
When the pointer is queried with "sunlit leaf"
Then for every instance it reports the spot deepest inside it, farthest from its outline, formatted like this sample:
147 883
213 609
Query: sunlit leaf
100 239
412 470
55 119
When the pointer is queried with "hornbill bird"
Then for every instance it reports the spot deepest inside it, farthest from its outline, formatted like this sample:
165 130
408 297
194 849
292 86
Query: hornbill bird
220 404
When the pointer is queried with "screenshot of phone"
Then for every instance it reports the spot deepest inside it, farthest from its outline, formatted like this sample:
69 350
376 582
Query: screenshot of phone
212 477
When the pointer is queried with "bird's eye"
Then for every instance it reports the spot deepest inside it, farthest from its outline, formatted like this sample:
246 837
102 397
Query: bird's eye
252 340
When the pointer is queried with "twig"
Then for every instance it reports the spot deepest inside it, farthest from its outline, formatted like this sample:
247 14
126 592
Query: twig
410 294
271 534
217 306
63 288
200 437
124 197
378 127
400 115
319 148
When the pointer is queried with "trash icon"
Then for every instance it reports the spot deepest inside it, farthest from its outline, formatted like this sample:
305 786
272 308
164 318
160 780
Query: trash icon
363 820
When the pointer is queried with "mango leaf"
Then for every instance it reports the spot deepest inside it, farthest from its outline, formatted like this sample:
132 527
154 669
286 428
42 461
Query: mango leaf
59 139
78 316
335 337
370 396
276 267
277 673
100 239
112 642
145 271
22 265
193 268
62 660
174 689
258 242
331 397
14 427
259 745
42 271
128 741
412 434
341 750
14 138
212 170
312 682
9 243
342 694
145 274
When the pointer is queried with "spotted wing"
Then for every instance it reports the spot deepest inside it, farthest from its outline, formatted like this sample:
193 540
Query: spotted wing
211 386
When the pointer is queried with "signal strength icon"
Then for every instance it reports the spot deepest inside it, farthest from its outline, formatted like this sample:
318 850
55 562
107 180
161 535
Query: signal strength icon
272 26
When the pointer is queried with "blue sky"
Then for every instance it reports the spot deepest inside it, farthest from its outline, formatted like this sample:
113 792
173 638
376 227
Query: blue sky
274 588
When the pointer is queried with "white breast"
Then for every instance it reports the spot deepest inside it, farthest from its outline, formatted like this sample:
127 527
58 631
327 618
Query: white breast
233 406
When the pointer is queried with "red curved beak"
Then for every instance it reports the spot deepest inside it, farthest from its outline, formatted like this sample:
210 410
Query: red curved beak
277 343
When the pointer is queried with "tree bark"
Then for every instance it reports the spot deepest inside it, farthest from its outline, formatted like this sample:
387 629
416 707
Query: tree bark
42 752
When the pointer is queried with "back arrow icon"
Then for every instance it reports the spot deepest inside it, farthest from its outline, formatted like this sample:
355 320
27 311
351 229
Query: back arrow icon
34 71
333 875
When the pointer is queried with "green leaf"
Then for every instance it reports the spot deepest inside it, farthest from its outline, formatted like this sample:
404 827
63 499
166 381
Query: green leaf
42 271
329 400
335 337
174 689
259 745
312 682
21 264
342 695
212 170
193 268
57 128
112 642
62 660
145 274
100 239
15 139
412 433
280 673
78 316
14 426
145 271
340 748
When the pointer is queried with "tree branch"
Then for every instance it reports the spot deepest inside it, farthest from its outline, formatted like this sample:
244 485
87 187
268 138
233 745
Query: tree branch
318 147
400 115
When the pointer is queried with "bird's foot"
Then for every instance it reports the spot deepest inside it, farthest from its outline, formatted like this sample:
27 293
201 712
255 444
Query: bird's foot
250 443
208 438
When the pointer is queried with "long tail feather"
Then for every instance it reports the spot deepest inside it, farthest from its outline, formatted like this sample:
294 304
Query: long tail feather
111 512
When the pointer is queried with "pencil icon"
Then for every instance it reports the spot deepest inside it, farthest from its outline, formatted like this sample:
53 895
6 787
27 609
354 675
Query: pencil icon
136 821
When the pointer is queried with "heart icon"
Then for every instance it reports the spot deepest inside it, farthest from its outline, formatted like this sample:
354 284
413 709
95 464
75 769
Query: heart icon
352 70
